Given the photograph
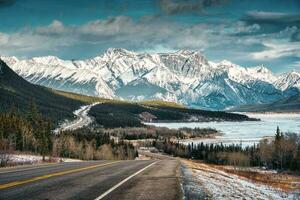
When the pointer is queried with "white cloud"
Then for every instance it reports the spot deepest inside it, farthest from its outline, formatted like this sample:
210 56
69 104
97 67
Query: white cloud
294 66
242 27
147 34
266 15
277 50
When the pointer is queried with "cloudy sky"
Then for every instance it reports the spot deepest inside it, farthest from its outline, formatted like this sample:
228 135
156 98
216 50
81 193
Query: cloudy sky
246 32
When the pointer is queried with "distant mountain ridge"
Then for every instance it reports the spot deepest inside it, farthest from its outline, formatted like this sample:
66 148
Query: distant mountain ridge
290 104
185 77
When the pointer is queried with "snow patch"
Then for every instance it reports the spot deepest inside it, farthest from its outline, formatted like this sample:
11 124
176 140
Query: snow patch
222 185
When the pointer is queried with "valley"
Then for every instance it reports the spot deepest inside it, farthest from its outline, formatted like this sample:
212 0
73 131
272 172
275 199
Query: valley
96 128
149 100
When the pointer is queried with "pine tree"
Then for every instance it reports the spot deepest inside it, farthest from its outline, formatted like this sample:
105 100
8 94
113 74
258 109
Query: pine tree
277 151
32 113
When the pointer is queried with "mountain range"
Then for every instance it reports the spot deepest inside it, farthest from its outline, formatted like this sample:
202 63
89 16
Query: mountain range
185 77
58 105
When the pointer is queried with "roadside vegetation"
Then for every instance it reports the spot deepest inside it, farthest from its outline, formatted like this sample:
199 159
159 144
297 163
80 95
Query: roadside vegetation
31 132
87 144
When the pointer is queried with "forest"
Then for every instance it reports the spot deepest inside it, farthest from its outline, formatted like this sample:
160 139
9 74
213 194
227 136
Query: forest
17 92
123 114
31 132
282 153
160 133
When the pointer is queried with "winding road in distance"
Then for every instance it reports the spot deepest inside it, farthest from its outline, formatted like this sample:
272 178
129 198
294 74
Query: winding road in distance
82 119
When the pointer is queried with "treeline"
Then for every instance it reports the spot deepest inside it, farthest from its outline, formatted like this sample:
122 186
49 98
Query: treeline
31 132
89 144
159 133
282 153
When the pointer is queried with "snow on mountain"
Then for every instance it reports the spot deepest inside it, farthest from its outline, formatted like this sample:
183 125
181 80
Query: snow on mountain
288 80
184 76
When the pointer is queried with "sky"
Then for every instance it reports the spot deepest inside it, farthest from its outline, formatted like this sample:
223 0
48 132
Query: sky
245 32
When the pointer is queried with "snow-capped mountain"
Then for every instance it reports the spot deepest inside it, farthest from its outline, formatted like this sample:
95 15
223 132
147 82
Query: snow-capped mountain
185 76
287 81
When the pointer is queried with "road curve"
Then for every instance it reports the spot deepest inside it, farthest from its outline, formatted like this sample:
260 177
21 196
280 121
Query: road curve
132 179
82 119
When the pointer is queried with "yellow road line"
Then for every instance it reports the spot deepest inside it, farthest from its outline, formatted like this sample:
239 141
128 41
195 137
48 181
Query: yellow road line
15 183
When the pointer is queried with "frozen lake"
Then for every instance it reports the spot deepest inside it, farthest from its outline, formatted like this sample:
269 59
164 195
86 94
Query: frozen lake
246 133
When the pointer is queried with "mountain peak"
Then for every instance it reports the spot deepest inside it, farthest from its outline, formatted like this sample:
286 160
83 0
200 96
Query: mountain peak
111 51
226 63
46 59
184 52
288 80
294 73
262 69
291 74
11 59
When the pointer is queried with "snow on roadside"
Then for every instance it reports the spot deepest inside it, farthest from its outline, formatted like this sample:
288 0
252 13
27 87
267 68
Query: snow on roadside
21 159
70 160
222 185
190 187
24 159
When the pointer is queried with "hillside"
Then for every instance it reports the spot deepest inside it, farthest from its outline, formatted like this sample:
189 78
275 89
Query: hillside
125 114
290 104
15 91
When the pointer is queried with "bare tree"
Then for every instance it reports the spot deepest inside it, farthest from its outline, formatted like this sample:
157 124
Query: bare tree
5 152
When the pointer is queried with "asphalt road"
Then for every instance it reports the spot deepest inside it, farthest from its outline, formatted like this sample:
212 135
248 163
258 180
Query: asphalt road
82 119
144 179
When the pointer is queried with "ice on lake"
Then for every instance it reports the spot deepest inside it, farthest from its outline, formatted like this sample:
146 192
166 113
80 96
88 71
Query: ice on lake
245 133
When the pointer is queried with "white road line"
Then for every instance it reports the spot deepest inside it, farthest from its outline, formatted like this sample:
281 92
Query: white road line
122 182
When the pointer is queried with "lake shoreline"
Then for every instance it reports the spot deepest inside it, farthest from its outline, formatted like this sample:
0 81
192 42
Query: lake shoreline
245 132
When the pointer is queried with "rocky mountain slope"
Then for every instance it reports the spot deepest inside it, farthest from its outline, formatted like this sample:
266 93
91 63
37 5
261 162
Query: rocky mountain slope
288 104
185 77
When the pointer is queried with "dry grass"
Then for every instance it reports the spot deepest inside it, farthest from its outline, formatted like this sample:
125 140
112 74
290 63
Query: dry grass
162 103
79 97
282 181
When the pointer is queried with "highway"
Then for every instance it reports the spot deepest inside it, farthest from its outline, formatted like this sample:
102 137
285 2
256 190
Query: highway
82 119
130 179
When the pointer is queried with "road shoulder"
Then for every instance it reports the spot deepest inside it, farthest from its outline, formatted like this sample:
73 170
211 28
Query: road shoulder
160 181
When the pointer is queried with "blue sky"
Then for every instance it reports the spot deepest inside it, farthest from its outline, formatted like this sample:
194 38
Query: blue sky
246 32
